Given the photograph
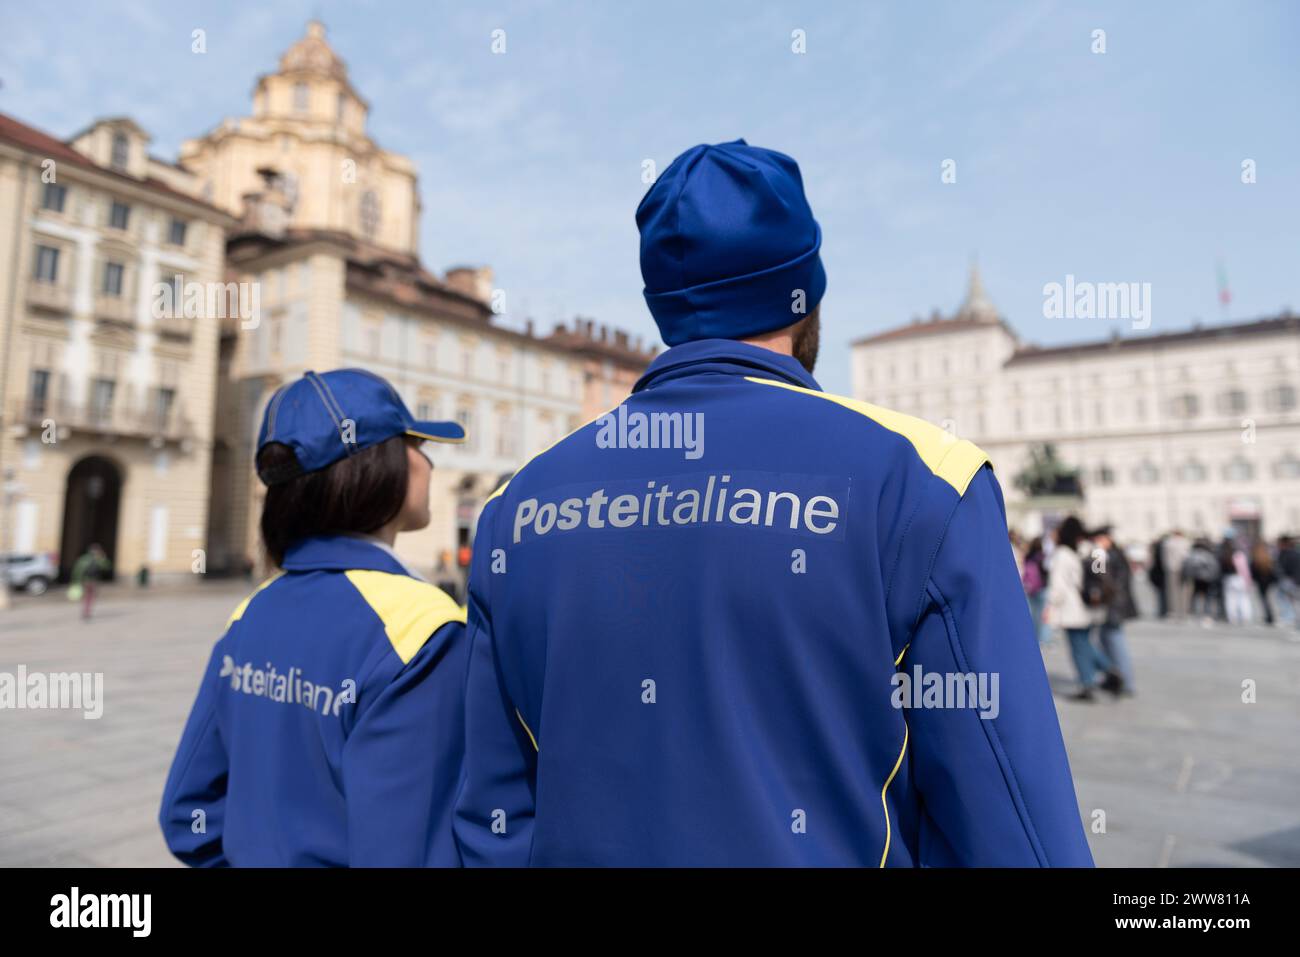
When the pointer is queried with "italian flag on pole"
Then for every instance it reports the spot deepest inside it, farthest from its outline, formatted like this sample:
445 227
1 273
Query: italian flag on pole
1225 294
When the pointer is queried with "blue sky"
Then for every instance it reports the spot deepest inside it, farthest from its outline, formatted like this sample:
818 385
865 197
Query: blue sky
1123 166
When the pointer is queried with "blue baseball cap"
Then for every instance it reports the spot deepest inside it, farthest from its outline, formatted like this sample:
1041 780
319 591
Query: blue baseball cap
729 245
325 417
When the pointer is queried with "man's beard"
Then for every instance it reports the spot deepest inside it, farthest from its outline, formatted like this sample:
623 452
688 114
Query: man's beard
806 340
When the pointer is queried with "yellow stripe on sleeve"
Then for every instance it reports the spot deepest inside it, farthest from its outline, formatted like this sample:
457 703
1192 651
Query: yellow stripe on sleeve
954 460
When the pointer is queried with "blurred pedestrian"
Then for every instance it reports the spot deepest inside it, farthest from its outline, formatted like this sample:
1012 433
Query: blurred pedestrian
1263 575
1115 579
1033 577
1178 588
444 576
1237 583
1156 576
1066 610
87 570
1288 579
1201 568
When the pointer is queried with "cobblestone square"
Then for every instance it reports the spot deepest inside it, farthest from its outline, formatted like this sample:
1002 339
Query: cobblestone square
1185 772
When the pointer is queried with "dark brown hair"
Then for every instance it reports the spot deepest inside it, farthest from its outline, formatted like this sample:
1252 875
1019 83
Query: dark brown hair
1070 532
360 493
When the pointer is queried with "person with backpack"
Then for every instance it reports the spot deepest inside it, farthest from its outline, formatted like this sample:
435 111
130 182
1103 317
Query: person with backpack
1033 577
1067 610
1201 568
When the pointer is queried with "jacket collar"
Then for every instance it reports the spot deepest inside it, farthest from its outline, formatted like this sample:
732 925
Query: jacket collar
725 356
341 553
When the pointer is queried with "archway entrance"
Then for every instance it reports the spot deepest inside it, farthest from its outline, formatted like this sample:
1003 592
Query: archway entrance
90 509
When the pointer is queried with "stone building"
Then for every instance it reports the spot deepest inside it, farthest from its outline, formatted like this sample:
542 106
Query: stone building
327 235
107 393
1197 429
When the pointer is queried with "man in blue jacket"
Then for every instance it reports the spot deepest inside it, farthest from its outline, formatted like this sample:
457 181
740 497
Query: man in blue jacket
740 621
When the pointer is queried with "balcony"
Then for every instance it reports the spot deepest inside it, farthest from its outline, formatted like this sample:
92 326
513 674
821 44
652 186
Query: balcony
119 419
49 296
176 327
114 310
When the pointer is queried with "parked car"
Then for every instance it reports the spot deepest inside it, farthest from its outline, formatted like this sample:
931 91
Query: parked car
33 573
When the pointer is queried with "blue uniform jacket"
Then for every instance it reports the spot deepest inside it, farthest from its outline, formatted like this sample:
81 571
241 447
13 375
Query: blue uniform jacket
330 723
697 653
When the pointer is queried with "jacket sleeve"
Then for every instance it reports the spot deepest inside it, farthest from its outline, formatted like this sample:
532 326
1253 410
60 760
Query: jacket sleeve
193 809
401 763
494 811
994 778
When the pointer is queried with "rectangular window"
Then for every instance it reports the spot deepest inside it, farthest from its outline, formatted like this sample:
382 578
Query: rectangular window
54 197
101 399
176 232
121 150
301 97
113 279
176 282
46 266
39 393
505 434
466 419
119 215
164 399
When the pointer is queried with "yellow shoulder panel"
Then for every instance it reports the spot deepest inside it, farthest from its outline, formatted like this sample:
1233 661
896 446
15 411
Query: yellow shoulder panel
410 609
954 460
239 610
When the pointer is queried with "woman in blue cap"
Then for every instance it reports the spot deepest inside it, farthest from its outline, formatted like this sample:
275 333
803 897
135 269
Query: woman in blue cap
328 729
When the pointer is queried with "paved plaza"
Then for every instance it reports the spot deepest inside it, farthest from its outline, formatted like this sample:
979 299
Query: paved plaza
1185 773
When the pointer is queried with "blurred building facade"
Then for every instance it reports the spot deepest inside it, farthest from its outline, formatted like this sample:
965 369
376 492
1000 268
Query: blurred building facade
107 401
328 232
612 362
1197 429
308 231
